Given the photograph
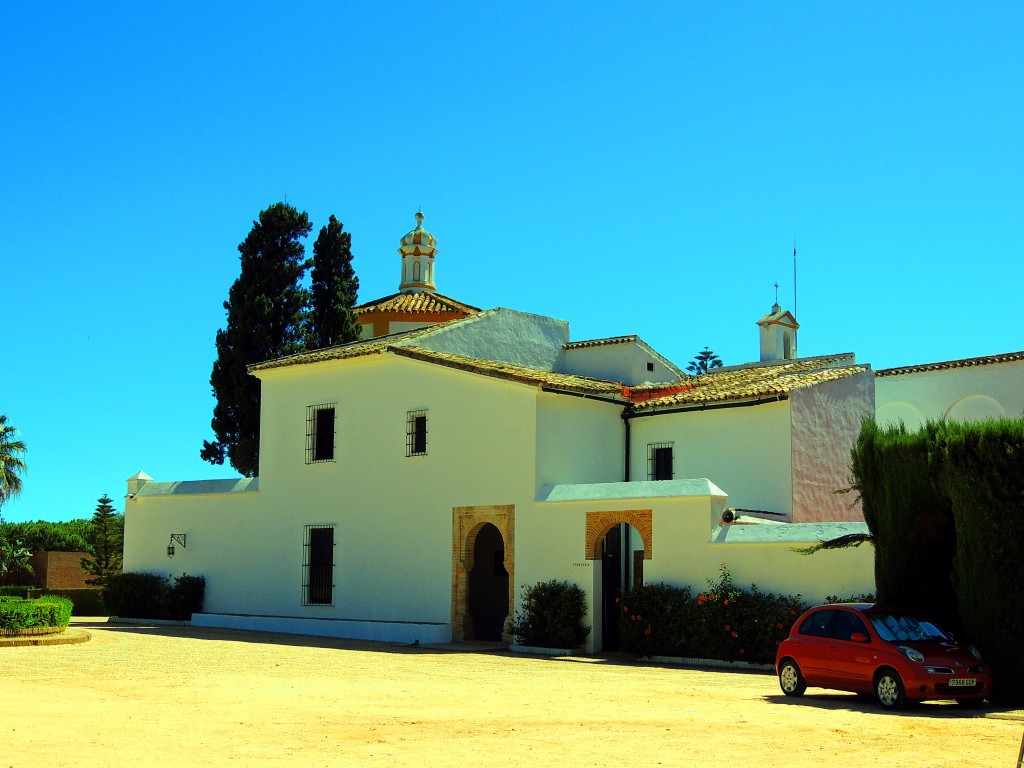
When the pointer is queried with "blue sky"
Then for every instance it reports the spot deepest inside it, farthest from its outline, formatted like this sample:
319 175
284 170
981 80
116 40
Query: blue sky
629 167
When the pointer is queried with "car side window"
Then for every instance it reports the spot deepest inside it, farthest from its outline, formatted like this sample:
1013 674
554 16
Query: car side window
819 624
848 623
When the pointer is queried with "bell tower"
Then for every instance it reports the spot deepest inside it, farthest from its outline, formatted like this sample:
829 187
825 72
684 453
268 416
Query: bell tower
778 334
418 249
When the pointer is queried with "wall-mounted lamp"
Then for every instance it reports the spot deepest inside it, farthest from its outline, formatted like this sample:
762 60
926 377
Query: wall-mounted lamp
175 537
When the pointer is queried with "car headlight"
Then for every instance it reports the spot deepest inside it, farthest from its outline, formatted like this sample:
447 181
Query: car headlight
912 653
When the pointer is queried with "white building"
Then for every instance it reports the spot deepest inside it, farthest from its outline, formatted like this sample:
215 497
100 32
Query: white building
410 483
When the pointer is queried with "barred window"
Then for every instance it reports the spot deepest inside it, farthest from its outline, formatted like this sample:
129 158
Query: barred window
659 461
318 565
416 433
320 433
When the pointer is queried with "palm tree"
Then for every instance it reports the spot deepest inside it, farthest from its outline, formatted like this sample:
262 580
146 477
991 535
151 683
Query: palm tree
12 465
704 362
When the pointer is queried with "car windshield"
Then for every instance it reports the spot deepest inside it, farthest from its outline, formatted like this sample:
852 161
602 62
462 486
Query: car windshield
902 627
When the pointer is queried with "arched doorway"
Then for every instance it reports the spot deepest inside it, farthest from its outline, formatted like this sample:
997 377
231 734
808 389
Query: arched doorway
622 567
483 558
621 541
488 585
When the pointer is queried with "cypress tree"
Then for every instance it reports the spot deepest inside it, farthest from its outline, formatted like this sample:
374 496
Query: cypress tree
265 310
333 289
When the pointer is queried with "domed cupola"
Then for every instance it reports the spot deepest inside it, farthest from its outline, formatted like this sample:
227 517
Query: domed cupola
418 249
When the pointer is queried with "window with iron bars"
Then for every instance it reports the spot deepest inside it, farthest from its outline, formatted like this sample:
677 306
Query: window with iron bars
659 461
320 433
416 433
318 565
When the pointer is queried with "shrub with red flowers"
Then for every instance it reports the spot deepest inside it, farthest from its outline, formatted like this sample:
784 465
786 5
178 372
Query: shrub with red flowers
724 622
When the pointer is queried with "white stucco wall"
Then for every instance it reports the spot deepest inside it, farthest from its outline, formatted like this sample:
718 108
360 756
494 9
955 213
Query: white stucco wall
972 393
393 541
745 450
501 334
826 420
578 440
625 362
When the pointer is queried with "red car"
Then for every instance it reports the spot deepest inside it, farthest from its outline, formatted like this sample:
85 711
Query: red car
890 654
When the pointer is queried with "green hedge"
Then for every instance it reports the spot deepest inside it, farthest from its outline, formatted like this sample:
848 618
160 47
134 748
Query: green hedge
910 517
982 471
946 508
19 614
87 601
724 622
9 591
551 616
149 596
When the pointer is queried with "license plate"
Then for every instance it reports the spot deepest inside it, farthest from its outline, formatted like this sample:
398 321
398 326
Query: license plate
962 682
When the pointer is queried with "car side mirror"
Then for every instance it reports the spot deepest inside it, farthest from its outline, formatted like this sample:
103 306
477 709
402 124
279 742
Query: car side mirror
860 637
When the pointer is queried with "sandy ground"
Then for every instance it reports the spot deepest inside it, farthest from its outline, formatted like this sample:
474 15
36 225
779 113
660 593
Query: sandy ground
179 696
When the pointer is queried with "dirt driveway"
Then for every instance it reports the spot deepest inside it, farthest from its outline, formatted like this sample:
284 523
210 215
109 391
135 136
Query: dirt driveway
178 696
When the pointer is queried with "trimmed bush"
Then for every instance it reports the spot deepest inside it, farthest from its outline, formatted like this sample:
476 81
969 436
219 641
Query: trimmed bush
18 614
982 471
149 596
946 508
87 601
910 518
136 595
185 597
9 591
724 622
551 616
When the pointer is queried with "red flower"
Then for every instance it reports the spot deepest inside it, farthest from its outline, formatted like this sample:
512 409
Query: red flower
734 634
647 632
616 601
743 650
625 609
779 625
727 627
726 601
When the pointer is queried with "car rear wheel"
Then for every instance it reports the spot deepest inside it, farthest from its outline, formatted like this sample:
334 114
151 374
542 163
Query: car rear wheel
889 689
791 679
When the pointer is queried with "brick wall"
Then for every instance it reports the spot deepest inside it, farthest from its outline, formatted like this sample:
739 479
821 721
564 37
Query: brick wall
58 570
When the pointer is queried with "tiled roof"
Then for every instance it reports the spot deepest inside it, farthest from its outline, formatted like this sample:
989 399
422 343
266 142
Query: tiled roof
416 304
967 362
376 346
602 342
563 381
742 383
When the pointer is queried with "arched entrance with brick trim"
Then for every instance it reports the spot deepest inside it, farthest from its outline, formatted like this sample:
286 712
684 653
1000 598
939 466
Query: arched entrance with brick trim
621 540
476 529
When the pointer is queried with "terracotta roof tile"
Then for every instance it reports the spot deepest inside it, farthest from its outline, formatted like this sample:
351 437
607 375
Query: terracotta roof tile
603 342
745 383
375 346
563 381
967 362
416 303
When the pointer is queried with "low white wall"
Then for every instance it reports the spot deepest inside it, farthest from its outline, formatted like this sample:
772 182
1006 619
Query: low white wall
378 631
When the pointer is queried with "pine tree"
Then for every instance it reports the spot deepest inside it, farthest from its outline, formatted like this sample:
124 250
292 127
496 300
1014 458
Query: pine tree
333 290
265 310
106 543
704 362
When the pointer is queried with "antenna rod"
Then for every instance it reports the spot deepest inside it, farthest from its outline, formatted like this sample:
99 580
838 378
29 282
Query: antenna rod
794 274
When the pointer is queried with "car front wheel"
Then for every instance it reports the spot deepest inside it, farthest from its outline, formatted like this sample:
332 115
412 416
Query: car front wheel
889 689
791 679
